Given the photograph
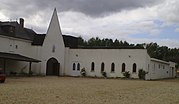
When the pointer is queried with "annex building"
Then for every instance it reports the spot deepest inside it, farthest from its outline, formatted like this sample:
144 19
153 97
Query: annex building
24 51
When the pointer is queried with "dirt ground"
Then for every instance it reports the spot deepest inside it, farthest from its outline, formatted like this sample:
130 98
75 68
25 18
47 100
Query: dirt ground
67 90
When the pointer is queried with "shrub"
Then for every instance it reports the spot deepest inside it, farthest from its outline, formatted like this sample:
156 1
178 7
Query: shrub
126 74
104 74
142 74
83 72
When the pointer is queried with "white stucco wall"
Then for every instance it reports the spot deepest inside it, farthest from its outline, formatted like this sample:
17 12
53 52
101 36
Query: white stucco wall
172 70
22 47
54 40
148 68
19 46
117 56
159 69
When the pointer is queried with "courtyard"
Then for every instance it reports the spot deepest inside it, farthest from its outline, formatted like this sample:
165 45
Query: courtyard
69 90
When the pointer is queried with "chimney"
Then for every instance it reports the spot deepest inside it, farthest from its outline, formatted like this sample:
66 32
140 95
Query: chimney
21 22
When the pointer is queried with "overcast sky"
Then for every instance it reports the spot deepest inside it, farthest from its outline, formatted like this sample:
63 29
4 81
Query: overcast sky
136 21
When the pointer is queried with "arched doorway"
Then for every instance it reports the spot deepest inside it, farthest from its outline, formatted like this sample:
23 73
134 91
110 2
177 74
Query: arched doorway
53 67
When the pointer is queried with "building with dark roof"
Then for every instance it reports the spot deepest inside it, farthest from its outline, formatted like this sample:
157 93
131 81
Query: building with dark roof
22 50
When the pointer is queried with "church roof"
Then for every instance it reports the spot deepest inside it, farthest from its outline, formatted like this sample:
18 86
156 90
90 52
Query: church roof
18 57
14 29
108 47
157 60
70 41
38 39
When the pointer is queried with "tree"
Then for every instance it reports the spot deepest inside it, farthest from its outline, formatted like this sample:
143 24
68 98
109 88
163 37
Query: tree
116 43
153 49
91 42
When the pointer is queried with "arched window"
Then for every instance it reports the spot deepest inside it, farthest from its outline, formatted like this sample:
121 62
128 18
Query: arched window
74 66
134 68
78 66
123 67
92 66
102 67
112 67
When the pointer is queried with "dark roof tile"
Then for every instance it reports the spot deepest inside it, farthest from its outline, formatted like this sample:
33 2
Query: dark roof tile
38 39
18 32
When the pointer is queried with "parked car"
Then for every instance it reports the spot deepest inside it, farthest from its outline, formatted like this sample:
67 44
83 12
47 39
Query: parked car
2 76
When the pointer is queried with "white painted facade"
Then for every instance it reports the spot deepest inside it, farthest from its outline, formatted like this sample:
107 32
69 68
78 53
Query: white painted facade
160 69
107 56
19 46
53 47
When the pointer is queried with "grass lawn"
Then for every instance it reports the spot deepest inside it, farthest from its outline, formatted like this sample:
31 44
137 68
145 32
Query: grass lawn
68 90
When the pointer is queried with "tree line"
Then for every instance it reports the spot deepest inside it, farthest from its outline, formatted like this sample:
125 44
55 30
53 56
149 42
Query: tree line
153 49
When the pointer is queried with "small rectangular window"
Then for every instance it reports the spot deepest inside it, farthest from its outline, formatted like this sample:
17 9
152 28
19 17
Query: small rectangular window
92 67
74 66
102 67
134 68
78 66
123 67
112 67
16 46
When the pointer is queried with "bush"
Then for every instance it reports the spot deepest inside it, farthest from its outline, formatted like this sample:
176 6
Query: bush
104 74
83 72
142 74
126 74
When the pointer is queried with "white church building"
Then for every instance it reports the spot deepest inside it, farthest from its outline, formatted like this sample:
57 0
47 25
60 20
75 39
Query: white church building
24 51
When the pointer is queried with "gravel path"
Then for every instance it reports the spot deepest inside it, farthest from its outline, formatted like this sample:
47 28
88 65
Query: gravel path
67 90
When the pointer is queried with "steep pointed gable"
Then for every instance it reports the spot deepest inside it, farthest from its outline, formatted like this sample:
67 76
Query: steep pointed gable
53 46
54 20
54 30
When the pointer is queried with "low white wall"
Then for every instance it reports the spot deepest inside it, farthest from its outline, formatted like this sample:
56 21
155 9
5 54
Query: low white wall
108 56
159 70
22 47
173 71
